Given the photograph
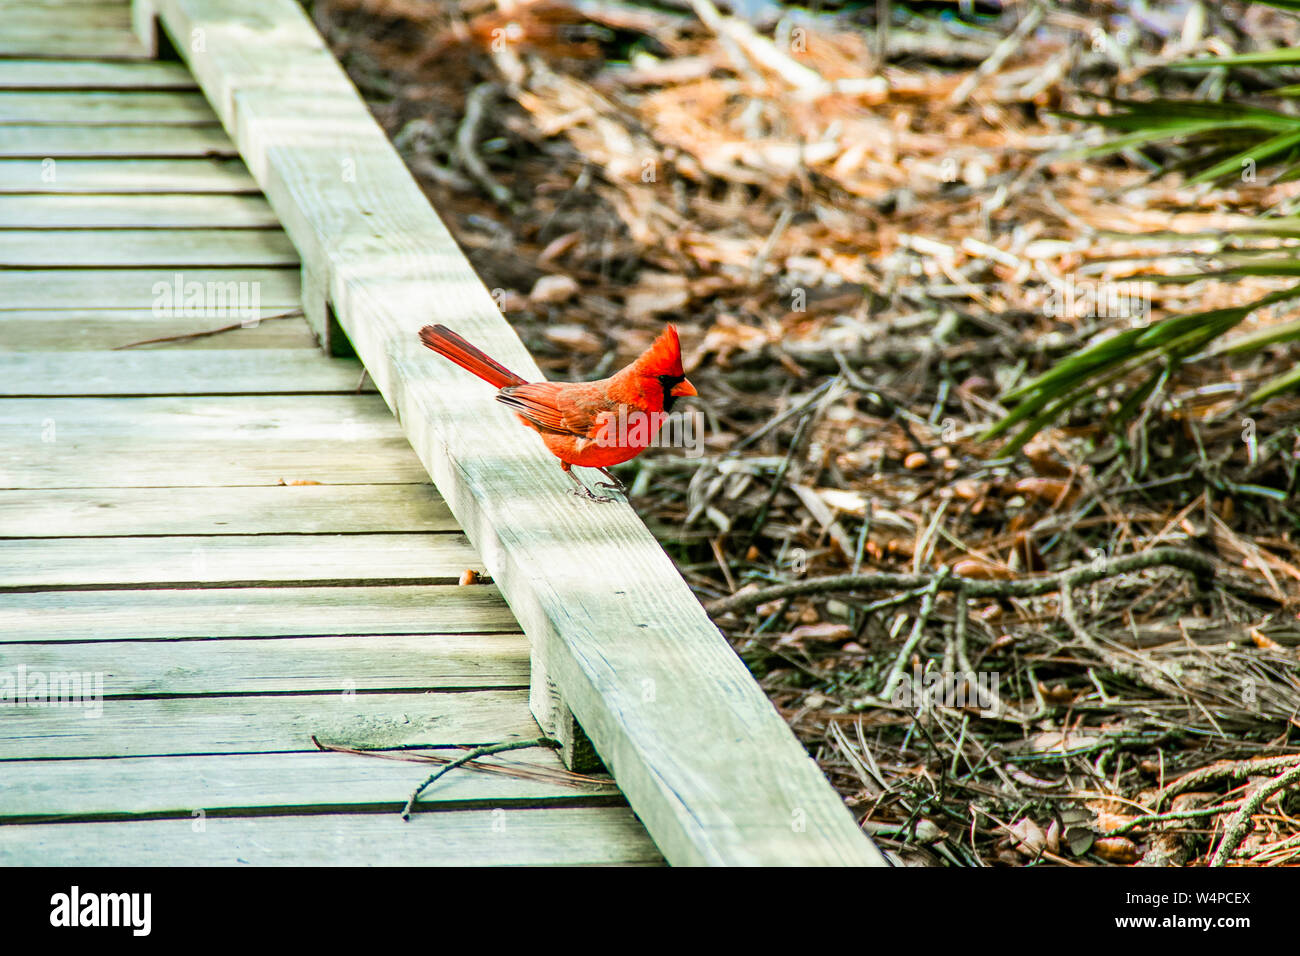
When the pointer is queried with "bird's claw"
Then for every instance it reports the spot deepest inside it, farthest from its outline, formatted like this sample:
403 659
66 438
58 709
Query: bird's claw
589 494
614 484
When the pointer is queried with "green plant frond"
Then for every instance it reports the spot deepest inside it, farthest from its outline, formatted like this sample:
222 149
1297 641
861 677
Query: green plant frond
1288 175
1050 401
1176 338
1259 339
1080 364
1131 141
1060 406
1282 56
1249 254
1259 154
1281 227
1276 386
1134 401
1242 263
1143 115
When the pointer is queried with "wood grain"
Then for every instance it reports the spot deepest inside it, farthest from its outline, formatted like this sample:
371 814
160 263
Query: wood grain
77 330
125 176
244 783
235 560
107 108
141 210
62 142
597 836
140 248
232 292
17 74
234 440
43 617
79 32
177 372
290 509
353 663
235 725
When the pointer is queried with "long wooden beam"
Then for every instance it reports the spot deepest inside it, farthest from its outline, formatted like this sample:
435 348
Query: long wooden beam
703 757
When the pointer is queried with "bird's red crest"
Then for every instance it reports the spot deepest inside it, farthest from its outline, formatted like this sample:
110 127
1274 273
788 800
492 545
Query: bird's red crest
664 356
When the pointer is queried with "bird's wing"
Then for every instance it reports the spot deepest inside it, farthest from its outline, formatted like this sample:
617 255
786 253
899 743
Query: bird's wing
557 406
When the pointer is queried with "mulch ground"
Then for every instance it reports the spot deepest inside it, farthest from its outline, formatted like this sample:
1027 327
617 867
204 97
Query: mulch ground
865 237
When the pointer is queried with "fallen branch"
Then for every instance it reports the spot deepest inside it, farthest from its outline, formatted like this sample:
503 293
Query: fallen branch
1144 822
474 755
895 675
467 152
1240 825
562 777
1222 770
248 324
1196 564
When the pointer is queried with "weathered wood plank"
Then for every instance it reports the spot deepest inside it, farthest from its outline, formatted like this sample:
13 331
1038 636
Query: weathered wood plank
72 330
237 440
125 176
178 786
597 836
91 74
702 755
291 509
280 665
236 560
138 211
251 612
231 725
30 40
227 460
327 418
145 248
82 32
237 293
37 5
102 141
176 372
107 108
58 17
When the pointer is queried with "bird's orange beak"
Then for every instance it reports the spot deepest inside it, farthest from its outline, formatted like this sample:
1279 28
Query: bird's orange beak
683 389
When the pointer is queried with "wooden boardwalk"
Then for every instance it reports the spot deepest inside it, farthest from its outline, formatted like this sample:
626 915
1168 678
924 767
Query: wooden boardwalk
236 544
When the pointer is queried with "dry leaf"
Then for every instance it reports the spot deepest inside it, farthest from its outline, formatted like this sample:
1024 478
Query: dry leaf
983 570
1119 850
656 292
552 290
1050 491
1028 837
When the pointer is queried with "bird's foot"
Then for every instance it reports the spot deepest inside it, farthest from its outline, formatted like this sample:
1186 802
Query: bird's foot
584 492
613 484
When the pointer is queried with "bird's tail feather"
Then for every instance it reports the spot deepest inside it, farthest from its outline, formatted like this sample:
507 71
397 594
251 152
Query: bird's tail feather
447 343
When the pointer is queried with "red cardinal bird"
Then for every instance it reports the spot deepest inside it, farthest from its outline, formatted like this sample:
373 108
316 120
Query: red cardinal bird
584 423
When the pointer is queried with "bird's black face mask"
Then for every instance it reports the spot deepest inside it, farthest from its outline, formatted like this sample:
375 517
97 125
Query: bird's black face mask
670 382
